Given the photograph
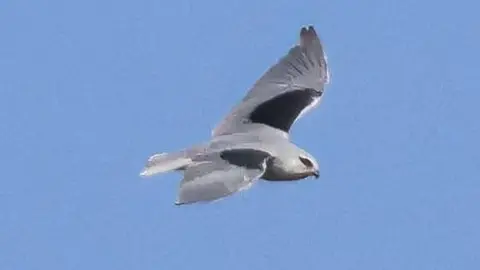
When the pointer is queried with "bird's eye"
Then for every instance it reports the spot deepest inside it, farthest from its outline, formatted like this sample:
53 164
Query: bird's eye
306 162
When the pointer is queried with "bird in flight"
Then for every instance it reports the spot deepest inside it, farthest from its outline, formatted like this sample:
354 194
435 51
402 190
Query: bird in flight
252 142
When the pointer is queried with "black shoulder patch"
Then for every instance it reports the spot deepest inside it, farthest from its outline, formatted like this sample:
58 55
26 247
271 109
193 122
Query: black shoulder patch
248 158
281 111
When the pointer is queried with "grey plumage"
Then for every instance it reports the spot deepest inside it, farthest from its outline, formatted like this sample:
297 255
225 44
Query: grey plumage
252 142
219 174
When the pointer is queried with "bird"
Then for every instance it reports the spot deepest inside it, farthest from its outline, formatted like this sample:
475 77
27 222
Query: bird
252 142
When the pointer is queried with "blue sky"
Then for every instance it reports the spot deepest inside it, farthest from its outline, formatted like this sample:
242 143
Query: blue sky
89 89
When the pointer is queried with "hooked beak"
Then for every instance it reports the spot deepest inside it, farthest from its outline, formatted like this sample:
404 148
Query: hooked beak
316 173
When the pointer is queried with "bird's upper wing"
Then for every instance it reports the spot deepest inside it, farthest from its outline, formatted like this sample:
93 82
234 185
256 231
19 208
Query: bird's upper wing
285 91
220 174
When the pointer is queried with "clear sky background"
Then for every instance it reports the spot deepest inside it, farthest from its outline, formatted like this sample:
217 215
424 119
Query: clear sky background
89 89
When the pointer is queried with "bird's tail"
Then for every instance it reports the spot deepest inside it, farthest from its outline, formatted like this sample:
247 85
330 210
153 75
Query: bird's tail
166 162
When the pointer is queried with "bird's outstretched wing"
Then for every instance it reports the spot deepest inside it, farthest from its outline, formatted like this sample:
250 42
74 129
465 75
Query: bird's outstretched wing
220 174
286 91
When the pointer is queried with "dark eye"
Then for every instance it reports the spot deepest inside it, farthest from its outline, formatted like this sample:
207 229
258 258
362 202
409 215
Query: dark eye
306 162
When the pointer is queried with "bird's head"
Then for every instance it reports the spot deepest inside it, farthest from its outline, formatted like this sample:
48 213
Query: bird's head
309 165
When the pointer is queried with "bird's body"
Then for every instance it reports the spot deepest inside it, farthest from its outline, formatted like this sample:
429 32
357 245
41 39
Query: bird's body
252 142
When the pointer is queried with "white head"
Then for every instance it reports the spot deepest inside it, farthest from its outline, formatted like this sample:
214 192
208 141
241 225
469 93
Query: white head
293 164
308 164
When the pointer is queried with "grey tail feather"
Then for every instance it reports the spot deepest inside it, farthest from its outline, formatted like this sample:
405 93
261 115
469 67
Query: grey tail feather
166 162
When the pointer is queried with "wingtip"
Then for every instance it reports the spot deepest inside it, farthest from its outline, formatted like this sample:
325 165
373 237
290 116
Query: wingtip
307 34
308 29
309 37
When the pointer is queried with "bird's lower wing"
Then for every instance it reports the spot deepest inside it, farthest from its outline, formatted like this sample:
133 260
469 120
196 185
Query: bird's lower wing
220 176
